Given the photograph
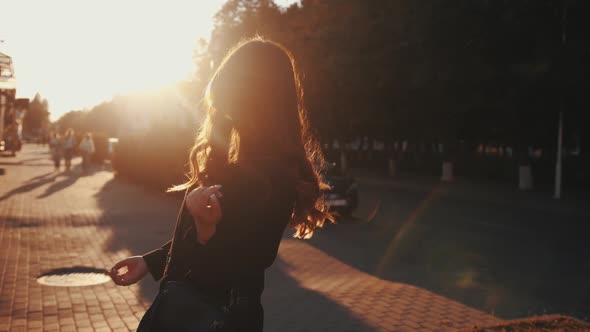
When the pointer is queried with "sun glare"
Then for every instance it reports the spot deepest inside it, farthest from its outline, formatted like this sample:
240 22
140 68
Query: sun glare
79 53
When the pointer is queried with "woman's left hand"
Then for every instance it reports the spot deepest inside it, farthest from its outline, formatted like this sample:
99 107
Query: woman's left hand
203 205
135 269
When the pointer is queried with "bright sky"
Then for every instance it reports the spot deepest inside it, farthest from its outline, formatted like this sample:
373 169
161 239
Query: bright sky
77 53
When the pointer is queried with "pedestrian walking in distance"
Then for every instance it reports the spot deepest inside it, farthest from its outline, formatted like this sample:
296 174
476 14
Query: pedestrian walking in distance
68 145
254 172
86 150
55 149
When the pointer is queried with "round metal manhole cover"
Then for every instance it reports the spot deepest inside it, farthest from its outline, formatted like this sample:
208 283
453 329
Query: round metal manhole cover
74 276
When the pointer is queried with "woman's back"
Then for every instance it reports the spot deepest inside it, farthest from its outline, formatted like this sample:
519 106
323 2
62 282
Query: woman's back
68 142
54 142
254 170
256 207
87 145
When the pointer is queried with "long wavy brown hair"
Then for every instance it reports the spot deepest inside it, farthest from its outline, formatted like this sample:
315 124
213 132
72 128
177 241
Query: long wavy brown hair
255 110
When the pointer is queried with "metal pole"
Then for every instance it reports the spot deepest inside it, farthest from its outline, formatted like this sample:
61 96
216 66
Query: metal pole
2 109
559 155
558 169
3 103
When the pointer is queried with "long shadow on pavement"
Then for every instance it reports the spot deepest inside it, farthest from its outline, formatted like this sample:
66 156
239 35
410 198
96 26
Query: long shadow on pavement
31 184
21 161
70 177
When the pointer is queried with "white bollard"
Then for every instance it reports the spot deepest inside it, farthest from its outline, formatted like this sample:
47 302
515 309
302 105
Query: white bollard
525 177
343 161
447 171
391 166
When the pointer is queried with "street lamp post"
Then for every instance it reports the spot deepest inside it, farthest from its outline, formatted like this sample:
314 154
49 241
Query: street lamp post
558 168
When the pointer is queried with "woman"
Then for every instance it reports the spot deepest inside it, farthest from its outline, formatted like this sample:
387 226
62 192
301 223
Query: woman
86 149
55 148
254 170
68 144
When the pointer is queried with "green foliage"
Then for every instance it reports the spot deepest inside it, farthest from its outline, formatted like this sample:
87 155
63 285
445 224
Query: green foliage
155 132
37 116
423 71
101 146
103 118
427 70
155 157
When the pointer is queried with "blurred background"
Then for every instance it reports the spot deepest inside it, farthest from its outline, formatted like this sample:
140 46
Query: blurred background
456 132
481 84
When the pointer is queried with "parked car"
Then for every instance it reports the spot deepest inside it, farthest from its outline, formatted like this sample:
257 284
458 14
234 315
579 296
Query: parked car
111 147
343 197
10 143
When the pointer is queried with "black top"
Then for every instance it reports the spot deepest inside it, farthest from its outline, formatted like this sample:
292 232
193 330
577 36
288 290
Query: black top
256 206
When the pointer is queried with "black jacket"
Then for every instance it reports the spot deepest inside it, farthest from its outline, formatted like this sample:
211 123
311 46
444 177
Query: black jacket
256 206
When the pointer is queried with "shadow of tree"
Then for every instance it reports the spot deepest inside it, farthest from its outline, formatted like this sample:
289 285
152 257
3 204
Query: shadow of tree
22 161
289 306
469 251
140 220
38 177
71 176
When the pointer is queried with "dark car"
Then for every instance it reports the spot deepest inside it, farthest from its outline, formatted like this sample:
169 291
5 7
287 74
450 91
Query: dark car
10 143
343 197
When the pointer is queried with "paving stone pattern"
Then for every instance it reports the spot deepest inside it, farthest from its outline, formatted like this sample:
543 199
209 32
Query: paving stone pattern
52 220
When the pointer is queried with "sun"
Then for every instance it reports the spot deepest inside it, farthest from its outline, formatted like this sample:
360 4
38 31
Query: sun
79 53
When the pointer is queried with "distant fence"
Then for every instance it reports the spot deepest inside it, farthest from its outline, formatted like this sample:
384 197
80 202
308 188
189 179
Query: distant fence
159 158
488 162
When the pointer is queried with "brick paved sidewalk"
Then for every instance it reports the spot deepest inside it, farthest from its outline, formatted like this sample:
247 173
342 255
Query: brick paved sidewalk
51 220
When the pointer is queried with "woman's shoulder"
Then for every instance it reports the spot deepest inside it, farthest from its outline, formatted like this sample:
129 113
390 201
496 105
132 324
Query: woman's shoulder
265 179
261 171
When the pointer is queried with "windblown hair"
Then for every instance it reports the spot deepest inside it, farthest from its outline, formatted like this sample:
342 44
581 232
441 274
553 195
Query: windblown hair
254 112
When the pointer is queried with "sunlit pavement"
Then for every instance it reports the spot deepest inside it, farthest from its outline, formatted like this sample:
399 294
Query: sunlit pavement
52 220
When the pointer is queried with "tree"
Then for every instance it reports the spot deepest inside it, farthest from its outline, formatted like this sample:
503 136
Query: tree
36 118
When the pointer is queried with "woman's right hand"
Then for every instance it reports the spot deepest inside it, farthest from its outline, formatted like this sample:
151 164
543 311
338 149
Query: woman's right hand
203 205
135 269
